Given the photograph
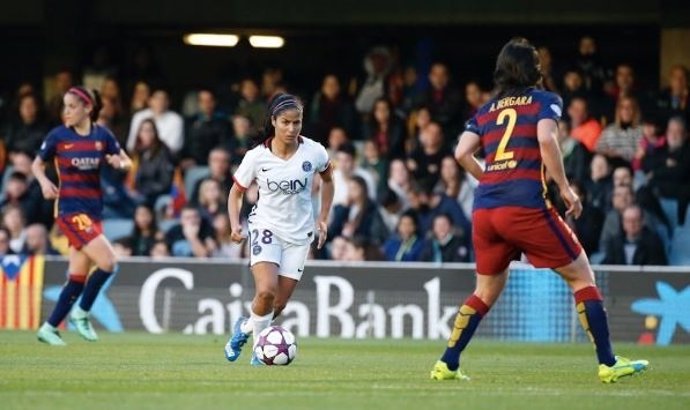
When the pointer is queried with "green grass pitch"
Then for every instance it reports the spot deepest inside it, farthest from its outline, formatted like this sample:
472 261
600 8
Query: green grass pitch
136 370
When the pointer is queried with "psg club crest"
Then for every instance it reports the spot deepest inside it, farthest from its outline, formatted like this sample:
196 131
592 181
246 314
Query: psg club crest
306 166
256 250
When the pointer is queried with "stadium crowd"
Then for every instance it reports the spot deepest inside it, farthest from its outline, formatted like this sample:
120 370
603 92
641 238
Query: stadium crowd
400 195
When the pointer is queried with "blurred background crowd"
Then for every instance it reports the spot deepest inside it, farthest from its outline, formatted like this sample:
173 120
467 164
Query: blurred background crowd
390 130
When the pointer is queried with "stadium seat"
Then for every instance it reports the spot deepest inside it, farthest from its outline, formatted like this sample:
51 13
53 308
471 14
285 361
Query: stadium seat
680 247
670 208
664 235
161 203
117 228
191 177
166 224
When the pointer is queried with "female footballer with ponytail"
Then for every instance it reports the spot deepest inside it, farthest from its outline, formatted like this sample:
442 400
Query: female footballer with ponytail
281 225
79 148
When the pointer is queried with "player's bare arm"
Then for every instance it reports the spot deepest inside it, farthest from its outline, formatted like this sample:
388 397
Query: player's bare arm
327 191
49 190
464 154
547 134
234 203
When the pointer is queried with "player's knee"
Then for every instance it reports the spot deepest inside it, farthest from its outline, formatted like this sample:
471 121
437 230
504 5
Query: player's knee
108 263
265 297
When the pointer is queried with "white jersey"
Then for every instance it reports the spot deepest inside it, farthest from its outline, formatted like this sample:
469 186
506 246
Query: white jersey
284 204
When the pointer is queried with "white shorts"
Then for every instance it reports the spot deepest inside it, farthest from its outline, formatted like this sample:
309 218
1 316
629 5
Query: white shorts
265 246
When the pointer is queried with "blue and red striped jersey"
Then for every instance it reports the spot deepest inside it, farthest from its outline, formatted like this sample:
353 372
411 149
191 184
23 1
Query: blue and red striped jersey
514 174
78 160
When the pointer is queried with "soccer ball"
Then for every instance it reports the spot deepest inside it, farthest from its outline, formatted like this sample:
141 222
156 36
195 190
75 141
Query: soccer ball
276 346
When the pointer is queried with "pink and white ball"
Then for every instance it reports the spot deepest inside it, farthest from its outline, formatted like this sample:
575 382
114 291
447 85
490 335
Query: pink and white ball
276 346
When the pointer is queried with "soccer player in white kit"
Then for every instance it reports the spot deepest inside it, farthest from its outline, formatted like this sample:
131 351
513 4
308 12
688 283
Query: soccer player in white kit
281 226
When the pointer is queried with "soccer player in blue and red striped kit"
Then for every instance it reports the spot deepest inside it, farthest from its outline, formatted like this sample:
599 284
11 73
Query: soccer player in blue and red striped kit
79 148
517 130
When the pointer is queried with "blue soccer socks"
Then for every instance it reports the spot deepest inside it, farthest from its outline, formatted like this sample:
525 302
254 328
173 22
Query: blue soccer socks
592 315
466 321
70 293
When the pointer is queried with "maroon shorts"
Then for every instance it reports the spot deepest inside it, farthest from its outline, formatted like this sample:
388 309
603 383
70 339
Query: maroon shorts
80 229
500 234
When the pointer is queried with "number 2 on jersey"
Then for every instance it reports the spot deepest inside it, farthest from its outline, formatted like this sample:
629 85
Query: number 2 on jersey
501 154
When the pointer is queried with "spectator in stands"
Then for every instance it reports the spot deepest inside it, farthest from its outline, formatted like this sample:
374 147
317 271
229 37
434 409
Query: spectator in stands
13 219
206 130
360 249
338 248
17 193
418 197
391 208
583 127
670 176
588 226
330 108
377 64
573 86
402 88
27 131
225 247
336 137
193 236
649 144
119 201
445 244
271 80
589 62
154 171
160 250
674 101
622 176
637 244
250 104
376 165
5 248
386 130
63 80
140 97
425 161
111 117
619 141
37 241
406 245
622 198
576 158
457 184
443 100
219 171
43 213
122 247
399 181
144 232
344 170
547 69
473 100
241 140
422 118
169 123
359 215
625 86
211 200
600 183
